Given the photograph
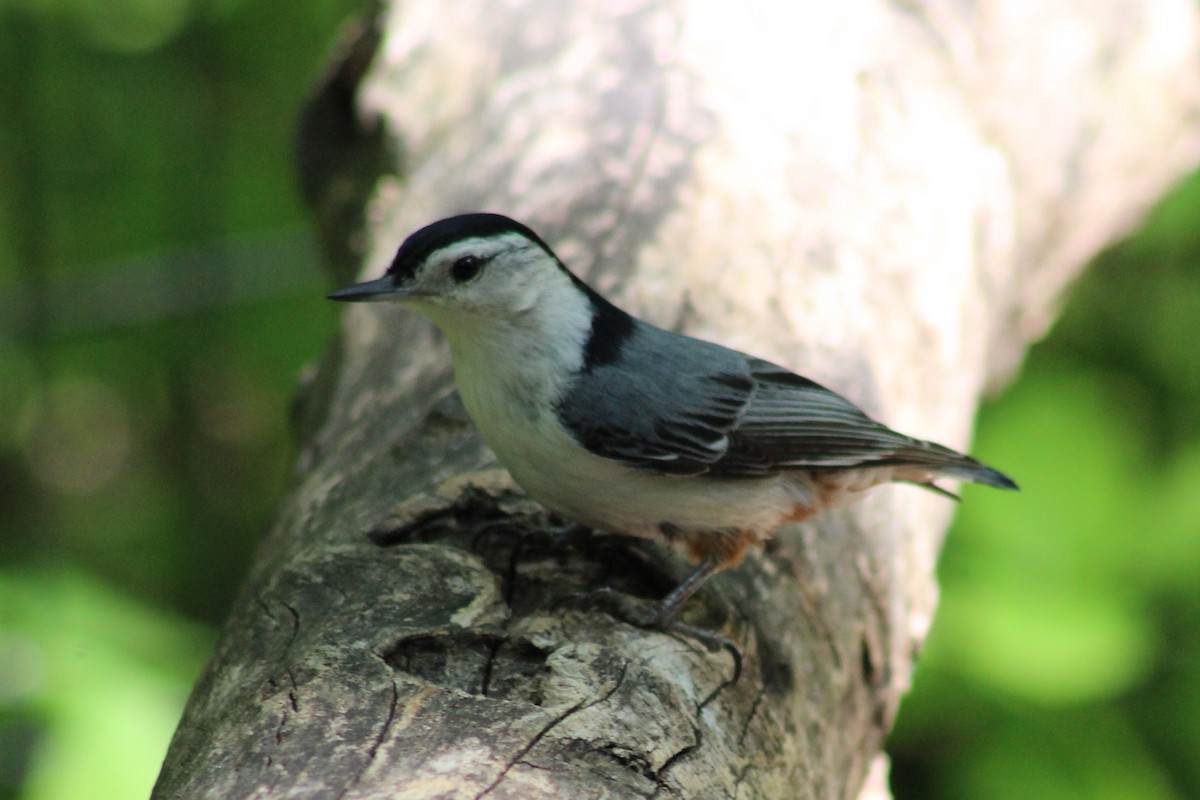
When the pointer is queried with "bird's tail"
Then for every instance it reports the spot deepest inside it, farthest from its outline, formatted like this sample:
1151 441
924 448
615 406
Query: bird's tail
975 472
959 467
942 461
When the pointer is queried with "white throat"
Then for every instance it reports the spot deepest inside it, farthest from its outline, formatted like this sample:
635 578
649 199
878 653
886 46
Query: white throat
519 364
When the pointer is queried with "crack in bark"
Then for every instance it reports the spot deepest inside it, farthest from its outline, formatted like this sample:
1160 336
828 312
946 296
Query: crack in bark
373 750
762 692
740 778
529 746
554 723
720 687
291 676
488 665
295 621
293 705
659 775
387 724
698 741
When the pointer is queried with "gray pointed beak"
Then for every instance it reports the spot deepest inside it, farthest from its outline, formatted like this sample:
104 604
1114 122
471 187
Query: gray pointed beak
370 291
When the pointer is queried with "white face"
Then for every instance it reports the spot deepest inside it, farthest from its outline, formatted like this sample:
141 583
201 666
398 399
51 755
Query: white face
498 277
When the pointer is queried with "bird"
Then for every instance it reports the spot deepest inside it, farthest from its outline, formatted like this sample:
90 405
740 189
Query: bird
627 428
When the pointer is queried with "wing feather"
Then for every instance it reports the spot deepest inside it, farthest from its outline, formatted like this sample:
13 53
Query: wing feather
704 409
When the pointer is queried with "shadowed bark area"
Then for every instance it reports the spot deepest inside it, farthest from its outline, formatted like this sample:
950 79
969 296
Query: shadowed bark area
887 198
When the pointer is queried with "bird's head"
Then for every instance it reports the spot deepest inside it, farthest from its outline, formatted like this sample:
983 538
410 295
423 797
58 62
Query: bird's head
470 269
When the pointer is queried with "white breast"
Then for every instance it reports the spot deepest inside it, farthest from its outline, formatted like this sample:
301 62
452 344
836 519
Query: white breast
512 374
518 423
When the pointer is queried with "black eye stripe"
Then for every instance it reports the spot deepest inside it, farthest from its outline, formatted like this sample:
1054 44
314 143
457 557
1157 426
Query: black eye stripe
466 268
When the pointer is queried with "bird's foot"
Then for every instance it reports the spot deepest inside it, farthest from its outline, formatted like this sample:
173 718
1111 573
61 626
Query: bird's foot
656 616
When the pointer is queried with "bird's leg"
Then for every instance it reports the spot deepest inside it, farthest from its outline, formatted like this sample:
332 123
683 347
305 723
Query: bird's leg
669 608
662 616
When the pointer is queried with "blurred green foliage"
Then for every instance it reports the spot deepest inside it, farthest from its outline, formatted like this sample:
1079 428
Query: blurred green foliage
1064 661
159 294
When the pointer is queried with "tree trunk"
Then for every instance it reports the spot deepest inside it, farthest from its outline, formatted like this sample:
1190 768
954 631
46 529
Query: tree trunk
887 198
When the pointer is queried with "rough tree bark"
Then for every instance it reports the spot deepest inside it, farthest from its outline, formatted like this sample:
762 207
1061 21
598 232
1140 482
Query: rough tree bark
888 197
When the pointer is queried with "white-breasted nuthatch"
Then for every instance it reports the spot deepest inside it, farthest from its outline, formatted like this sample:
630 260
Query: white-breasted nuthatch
625 427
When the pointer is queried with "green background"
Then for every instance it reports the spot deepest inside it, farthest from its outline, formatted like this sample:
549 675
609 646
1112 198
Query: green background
160 293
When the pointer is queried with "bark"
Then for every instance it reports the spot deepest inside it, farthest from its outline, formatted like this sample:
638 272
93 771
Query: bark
889 198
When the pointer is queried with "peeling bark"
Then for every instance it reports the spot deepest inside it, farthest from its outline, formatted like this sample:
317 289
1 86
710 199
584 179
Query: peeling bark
888 198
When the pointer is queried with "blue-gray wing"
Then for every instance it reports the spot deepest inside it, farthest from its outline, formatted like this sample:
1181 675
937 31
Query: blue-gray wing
668 403
795 423
681 406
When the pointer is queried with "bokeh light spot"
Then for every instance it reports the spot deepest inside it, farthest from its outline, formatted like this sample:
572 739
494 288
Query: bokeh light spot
133 26
80 441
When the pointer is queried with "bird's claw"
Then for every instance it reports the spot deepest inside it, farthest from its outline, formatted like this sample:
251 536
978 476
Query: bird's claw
654 616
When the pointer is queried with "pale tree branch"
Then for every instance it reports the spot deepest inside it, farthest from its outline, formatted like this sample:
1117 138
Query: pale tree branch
889 198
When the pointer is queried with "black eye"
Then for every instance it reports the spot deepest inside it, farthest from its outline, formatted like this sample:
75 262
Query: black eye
466 268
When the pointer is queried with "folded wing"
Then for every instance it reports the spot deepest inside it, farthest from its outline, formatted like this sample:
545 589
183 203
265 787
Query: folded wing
707 410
